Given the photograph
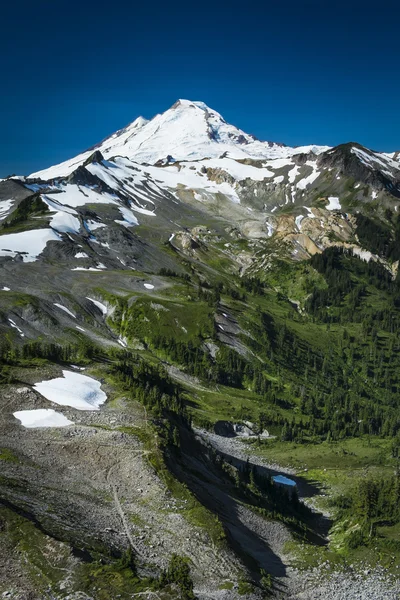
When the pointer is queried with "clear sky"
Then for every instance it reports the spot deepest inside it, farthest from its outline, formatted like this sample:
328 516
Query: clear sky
297 72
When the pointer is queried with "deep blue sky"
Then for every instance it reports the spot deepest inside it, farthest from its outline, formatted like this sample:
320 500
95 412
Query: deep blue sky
297 72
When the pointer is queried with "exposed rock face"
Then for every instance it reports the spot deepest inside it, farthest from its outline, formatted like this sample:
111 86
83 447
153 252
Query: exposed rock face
224 428
96 157
219 176
12 188
81 176
371 170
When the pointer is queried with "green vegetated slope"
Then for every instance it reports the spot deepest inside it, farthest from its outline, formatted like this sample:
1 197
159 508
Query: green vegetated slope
313 358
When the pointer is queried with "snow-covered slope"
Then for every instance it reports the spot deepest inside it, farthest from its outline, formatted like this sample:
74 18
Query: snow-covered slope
187 131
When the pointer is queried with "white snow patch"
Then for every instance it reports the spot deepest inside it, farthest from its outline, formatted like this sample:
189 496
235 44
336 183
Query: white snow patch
5 289
65 223
80 328
81 255
86 269
93 225
5 206
363 254
334 203
15 326
298 221
129 218
303 183
65 309
293 173
310 212
28 243
73 389
75 195
270 231
278 179
122 341
41 417
148 286
99 305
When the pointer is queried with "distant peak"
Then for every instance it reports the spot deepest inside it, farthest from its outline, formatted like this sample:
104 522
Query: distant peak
191 104
139 122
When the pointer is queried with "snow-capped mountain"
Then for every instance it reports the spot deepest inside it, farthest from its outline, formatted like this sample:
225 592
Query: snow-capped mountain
190 160
188 131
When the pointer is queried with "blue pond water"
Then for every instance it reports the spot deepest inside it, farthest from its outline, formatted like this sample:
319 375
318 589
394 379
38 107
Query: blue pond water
283 480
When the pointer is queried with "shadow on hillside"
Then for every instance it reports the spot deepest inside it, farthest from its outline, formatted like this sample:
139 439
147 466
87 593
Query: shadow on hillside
246 532
319 524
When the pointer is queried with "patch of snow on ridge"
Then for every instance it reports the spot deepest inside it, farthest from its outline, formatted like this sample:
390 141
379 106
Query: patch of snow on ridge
73 389
65 309
28 243
99 305
237 170
334 203
65 223
81 255
41 417
310 212
148 286
86 269
93 225
5 206
364 255
303 183
55 206
78 195
298 221
15 326
128 216
293 173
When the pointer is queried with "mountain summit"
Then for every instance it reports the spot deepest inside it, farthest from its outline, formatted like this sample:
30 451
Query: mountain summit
186 131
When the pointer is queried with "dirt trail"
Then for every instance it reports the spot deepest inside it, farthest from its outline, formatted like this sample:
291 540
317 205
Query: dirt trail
119 508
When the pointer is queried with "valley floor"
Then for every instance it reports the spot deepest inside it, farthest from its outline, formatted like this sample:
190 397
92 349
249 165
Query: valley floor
94 479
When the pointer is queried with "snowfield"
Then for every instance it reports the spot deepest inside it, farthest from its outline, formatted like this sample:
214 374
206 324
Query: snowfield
41 417
28 243
129 218
73 389
65 223
334 203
